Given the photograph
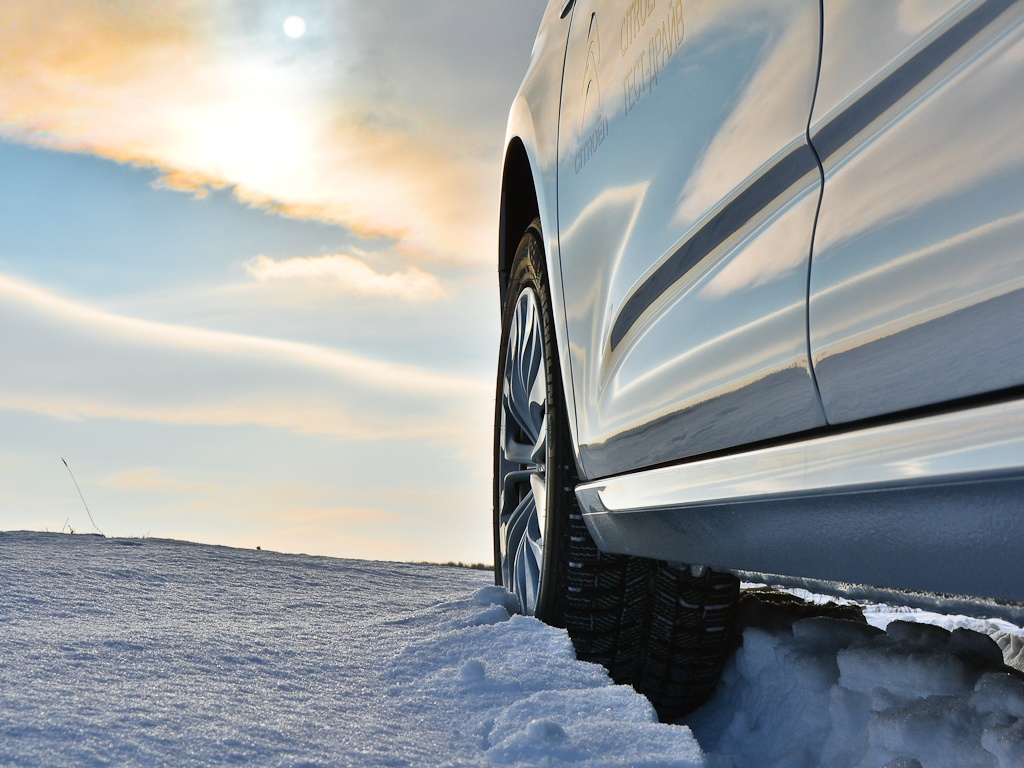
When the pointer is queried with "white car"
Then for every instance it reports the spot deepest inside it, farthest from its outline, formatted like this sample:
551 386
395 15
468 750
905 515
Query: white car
762 274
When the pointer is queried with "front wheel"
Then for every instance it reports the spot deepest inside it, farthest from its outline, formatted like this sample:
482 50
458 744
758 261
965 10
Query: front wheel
661 629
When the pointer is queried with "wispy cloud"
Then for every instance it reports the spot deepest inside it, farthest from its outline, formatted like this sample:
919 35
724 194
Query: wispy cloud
82 362
216 94
346 274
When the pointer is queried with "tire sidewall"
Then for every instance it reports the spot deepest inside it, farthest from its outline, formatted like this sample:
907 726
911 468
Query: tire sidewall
529 271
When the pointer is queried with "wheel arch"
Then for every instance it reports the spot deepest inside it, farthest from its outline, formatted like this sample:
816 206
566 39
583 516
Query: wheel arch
526 196
519 207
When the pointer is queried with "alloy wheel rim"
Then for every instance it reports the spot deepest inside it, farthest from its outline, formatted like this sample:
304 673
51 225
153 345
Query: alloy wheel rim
523 452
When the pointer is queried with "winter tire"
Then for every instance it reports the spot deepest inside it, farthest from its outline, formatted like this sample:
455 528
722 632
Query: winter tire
659 628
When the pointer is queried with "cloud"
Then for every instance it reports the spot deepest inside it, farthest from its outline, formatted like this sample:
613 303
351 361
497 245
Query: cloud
214 94
80 362
349 275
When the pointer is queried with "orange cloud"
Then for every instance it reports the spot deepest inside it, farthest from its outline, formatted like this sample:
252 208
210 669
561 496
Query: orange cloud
185 87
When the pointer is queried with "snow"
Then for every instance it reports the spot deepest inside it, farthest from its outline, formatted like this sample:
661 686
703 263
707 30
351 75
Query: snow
147 652
817 691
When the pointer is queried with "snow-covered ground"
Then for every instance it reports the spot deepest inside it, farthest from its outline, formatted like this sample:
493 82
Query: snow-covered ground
150 653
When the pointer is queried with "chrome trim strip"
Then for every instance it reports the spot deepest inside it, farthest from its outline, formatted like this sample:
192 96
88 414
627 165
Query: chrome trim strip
719 228
865 110
977 444
826 141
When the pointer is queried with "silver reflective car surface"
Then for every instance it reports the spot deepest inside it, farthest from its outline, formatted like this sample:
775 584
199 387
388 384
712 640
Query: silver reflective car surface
931 504
686 205
766 222
917 284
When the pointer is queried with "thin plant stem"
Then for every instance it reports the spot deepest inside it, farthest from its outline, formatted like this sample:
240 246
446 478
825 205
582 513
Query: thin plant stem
82 498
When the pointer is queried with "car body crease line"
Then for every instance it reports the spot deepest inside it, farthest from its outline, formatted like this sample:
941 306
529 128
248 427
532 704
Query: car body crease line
781 176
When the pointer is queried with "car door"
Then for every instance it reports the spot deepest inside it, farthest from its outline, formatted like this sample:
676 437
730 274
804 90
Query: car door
917 281
687 194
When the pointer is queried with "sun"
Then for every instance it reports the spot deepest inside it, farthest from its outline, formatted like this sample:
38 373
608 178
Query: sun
295 27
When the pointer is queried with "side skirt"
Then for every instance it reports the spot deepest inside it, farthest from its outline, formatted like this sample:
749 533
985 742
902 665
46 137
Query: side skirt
933 506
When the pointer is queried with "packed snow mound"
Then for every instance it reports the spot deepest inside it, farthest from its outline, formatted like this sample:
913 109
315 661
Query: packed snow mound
835 692
152 653
1009 637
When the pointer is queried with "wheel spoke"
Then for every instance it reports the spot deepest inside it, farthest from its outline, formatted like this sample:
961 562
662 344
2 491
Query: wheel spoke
539 450
525 567
519 522
523 448
524 387
527 579
515 452
514 480
539 489
517 403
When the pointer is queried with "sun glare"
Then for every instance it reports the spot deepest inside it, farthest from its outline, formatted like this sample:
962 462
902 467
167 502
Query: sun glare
295 27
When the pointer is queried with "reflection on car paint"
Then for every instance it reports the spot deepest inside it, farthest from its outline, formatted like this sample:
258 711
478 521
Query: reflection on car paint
732 217
642 357
884 94
918 266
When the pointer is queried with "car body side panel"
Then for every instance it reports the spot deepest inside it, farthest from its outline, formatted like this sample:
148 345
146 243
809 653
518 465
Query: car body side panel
686 202
917 279
533 121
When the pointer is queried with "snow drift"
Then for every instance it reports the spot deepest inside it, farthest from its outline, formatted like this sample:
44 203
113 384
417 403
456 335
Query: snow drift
148 652
804 692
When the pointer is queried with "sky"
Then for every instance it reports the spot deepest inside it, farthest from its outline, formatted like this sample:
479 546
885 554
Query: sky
247 269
